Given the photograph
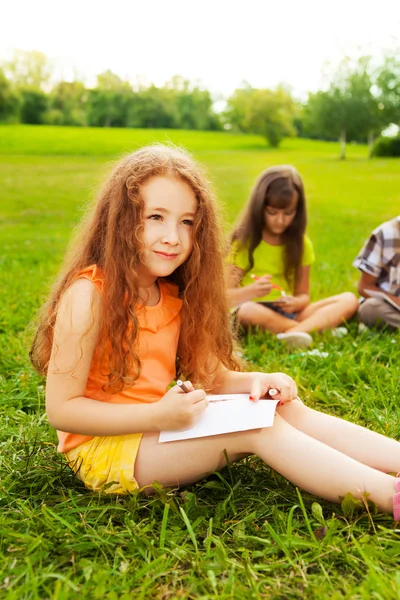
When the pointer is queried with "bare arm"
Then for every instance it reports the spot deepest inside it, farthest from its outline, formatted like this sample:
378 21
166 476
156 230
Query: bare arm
368 282
256 384
237 295
301 297
76 335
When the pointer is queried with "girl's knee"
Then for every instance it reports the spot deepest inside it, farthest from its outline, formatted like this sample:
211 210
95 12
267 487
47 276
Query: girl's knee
348 303
350 300
292 411
245 312
255 439
246 307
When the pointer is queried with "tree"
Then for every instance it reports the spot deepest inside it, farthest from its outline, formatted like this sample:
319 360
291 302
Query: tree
9 100
29 70
154 107
34 104
29 73
67 104
193 105
238 105
348 109
388 82
266 112
108 103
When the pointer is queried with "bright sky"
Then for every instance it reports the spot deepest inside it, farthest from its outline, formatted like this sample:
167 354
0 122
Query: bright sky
220 42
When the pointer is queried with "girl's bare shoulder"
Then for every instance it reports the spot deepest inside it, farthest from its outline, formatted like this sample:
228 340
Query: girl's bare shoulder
80 306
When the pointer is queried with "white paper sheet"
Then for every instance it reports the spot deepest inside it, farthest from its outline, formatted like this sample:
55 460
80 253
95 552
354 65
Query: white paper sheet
225 414
382 296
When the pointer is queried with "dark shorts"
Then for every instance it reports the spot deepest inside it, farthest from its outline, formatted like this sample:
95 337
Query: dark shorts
278 310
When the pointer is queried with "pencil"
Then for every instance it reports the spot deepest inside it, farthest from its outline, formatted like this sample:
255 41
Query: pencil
183 386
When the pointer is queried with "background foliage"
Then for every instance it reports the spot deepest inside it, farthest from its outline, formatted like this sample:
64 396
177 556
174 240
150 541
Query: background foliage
360 99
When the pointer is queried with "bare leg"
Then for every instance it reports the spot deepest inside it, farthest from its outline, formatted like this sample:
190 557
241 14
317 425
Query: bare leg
362 444
320 315
251 313
180 463
305 461
327 313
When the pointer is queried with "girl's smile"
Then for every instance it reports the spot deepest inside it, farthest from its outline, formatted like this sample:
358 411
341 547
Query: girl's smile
169 210
166 254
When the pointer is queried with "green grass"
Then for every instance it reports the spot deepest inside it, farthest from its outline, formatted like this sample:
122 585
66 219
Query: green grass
243 533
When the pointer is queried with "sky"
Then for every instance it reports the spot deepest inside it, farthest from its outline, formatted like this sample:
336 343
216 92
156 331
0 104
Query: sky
221 43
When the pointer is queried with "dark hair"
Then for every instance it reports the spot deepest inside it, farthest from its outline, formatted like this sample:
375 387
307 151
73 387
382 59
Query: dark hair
274 187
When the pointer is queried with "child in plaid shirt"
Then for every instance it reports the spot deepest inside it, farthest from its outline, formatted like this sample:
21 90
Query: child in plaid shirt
379 263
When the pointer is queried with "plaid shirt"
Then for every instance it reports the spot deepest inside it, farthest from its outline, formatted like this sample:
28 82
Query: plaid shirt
380 256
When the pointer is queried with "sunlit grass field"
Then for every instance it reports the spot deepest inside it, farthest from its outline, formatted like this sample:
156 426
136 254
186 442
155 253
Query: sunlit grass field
243 533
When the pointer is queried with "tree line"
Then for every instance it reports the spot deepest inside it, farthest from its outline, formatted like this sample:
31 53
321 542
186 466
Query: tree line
361 99
26 97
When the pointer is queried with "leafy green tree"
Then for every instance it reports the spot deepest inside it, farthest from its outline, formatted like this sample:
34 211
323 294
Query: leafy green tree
9 100
154 108
34 104
108 103
29 70
238 105
29 73
348 109
269 113
194 105
67 104
388 82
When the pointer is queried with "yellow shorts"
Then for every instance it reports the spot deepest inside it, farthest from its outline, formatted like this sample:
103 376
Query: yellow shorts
107 463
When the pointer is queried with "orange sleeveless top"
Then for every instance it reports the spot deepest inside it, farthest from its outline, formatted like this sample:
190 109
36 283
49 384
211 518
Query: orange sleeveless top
159 329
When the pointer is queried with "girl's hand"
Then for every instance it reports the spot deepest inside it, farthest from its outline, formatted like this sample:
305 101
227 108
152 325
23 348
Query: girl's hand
177 410
263 382
289 304
261 286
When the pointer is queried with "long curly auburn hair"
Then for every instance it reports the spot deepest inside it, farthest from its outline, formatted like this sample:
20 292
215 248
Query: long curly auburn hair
109 237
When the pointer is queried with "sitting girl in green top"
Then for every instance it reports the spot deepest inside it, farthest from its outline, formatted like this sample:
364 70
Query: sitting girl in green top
272 257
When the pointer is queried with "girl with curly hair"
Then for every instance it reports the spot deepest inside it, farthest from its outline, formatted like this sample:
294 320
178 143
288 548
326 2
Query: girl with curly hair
143 286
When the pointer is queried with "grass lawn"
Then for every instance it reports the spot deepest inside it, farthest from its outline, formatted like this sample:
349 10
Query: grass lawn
242 533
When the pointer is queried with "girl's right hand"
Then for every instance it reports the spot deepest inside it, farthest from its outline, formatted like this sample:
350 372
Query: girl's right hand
178 410
262 286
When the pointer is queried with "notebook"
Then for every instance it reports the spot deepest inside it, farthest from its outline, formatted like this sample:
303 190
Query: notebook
227 413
